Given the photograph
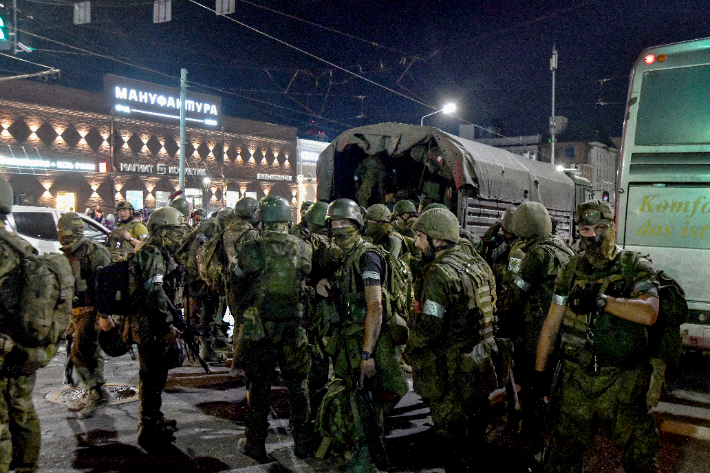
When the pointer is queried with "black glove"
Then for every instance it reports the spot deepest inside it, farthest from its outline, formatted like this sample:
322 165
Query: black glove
583 300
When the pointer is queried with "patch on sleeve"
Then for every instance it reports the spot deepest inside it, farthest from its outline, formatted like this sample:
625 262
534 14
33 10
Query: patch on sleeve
158 279
371 275
514 264
434 308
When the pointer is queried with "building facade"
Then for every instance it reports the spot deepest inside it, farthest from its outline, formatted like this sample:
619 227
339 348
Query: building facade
69 148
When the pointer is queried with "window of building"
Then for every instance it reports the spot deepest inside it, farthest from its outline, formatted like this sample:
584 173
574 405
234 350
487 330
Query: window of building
135 198
232 198
66 201
569 152
161 199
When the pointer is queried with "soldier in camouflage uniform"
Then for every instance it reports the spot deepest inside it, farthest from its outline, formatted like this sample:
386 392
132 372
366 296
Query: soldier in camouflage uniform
602 303
203 300
19 425
404 215
370 181
237 233
299 229
474 241
85 257
453 318
358 350
380 231
152 328
126 238
524 306
275 264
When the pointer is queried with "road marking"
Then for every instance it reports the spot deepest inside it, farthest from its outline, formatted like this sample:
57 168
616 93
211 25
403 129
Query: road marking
687 430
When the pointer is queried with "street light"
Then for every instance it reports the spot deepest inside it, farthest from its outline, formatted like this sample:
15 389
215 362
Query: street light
448 108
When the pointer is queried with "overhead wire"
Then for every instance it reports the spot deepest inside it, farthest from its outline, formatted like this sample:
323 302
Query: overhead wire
314 56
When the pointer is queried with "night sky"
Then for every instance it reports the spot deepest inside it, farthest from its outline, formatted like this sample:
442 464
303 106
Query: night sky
490 57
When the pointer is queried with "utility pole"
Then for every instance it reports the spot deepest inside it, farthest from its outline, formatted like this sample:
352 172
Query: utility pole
553 68
183 92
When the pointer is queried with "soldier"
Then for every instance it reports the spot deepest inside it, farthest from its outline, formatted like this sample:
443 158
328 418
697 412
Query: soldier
85 257
404 215
498 238
19 425
524 306
380 231
275 265
359 351
299 228
453 314
237 233
203 301
474 241
152 327
126 238
370 181
602 303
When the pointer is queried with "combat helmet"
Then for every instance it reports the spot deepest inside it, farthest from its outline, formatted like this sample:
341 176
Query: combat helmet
531 220
224 213
125 205
165 217
404 207
344 208
316 214
439 224
5 196
246 207
274 209
70 229
111 342
379 213
305 206
435 205
181 205
506 221
593 212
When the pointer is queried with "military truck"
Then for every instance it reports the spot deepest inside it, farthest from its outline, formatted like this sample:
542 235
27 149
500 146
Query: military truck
387 162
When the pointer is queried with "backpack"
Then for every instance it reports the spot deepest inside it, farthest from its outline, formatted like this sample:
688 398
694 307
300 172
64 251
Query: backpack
113 286
210 264
664 336
42 312
397 298
664 339
281 263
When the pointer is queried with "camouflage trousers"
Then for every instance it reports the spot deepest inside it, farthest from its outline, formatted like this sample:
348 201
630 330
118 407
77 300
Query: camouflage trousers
19 425
153 374
85 354
613 400
284 344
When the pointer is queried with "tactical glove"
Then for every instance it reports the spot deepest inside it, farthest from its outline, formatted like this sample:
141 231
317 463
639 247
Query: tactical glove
655 386
583 300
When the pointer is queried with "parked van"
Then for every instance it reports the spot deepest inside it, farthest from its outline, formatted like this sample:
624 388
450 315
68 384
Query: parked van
38 225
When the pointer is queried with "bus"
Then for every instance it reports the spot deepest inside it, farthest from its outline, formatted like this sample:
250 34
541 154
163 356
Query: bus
663 205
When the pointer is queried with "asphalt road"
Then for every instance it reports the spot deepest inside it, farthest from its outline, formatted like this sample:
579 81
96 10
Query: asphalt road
210 411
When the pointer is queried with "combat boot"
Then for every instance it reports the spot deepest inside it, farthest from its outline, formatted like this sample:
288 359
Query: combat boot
257 452
94 399
154 436
207 351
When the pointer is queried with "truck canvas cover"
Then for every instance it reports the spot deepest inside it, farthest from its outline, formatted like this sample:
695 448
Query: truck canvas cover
495 174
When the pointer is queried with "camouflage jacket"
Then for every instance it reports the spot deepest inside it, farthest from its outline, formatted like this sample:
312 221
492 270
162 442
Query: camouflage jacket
85 258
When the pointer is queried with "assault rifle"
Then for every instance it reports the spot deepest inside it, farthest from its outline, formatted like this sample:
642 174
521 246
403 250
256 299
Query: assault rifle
372 431
188 334
549 410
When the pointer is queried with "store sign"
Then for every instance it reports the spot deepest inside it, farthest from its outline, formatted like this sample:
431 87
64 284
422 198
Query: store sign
46 164
274 177
137 98
160 169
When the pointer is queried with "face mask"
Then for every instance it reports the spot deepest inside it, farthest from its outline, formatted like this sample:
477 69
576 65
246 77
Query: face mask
378 230
67 238
172 238
599 248
346 237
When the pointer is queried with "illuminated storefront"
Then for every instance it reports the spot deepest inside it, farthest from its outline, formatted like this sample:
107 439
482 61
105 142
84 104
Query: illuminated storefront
60 145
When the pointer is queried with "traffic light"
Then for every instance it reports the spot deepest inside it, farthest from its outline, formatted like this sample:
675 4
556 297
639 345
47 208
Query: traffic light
5 43
605 196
